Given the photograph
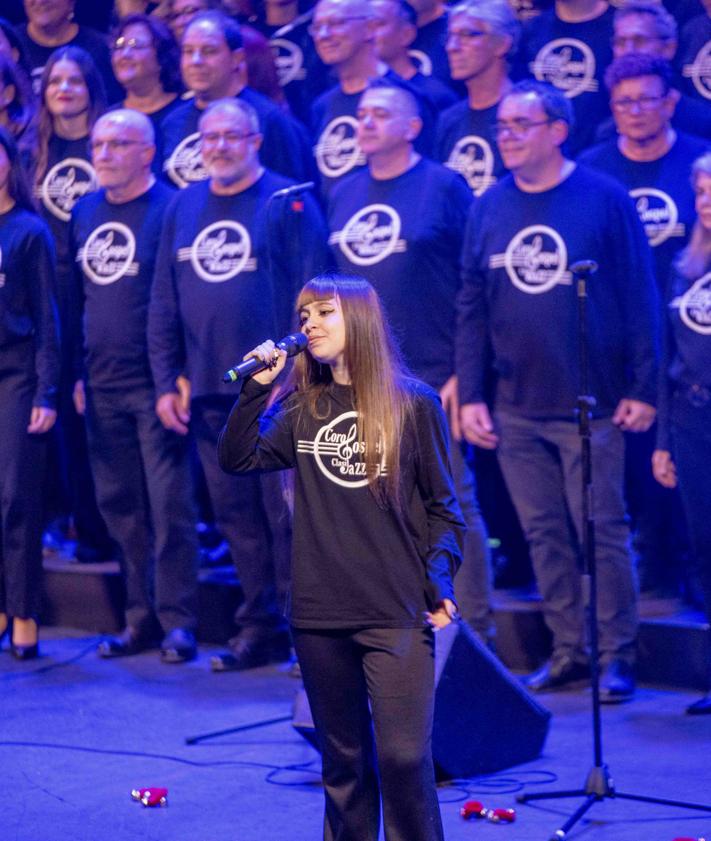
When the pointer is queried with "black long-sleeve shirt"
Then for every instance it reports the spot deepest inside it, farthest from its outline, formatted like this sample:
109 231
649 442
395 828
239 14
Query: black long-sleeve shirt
27 307
227 272
355 563
519 302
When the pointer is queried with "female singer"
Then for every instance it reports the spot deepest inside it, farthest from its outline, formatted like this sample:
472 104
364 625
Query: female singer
29 370
376 542
683 451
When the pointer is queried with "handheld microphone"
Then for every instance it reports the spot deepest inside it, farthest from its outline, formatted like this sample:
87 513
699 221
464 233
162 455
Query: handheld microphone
285 192
293 343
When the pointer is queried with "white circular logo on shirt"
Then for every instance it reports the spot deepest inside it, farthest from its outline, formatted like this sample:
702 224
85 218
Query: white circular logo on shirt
695 306
567 64
108 253
185 165
700 71
371 235
289 60
220 251
337 151
338 453
535 259
64 184
658 213
472 158
422 61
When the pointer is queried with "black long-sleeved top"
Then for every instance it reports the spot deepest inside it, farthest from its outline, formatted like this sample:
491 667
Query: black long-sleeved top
404 235
115 247
518 300
27 307
354 563
284 148
686 354
661 191
227 272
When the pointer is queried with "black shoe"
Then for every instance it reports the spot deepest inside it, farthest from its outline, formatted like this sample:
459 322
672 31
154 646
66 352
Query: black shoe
24 652
617 682
557 673
700 707
127 643
178 646
248 651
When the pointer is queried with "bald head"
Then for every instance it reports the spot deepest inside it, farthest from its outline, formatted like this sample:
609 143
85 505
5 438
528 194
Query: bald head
122 150
136 125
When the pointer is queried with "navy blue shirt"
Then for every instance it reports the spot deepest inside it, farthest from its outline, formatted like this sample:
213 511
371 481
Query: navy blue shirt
466 143
518 302
227 273
115 247
283 150
661 191
27 309
686 355
694 57
404 235
572 57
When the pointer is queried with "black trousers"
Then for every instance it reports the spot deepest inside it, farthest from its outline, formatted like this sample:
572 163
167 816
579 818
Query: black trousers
256 530
143 489
390 670
22 469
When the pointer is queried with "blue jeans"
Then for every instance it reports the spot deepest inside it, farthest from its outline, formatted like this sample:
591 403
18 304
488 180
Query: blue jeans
541 463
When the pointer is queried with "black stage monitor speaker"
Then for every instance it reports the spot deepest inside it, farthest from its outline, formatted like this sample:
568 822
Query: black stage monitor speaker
484 720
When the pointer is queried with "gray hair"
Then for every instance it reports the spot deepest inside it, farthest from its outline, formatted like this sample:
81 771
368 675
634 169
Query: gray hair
498 14
664 22
235 106
130 117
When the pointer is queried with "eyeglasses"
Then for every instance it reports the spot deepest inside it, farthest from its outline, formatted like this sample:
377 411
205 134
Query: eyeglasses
465 35
334 24
121 44
517 128
644 103
114 145
232 138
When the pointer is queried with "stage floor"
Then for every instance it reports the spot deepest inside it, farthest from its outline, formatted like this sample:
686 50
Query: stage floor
78 733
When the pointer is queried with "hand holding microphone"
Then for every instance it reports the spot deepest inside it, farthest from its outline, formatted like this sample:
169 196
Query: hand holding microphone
267 360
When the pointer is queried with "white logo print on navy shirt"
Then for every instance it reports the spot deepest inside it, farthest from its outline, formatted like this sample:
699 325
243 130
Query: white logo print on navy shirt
370 235
108 253
472 158
695 306
220 252
185 165
64 184
338 453
422 62
2 274
700 71
289 61
535 260
567 64
337 150
658 213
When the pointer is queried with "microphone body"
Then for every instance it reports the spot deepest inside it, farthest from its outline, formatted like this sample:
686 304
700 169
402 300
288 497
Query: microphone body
293 343
293 190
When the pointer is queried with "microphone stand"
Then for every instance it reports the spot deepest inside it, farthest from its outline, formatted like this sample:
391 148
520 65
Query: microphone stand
599 785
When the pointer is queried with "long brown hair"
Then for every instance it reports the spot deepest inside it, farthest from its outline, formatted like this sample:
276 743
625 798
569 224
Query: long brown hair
695 259
97 99
382 394
18 185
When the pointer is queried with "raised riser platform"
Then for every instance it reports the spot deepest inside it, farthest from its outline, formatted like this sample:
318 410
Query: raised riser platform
674 645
